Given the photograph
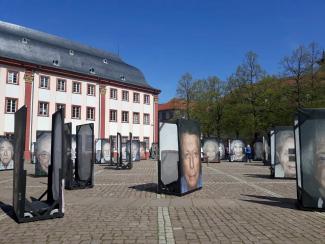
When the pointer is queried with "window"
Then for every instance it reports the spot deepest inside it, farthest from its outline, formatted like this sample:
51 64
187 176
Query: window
113 93
146 119
90 90
125 117
12 77
76 112
76 87
125 139
136 118
61 85
136 97
59 106
90 113
43 108
9 135
146 99
125 95
146 140
44 82
135 138
112 115
11 105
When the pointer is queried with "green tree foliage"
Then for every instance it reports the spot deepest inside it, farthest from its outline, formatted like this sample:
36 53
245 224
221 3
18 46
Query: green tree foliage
250 102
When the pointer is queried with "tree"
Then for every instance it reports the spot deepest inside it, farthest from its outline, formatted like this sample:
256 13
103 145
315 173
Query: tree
185 91
297 66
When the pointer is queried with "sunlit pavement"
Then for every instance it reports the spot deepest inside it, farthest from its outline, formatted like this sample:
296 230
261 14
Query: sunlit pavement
238 203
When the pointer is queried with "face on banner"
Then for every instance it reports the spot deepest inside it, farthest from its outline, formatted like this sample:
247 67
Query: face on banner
222 151
135 151
211 149
285 154
237 150
106 151
43 153
6 154
190 151
142 150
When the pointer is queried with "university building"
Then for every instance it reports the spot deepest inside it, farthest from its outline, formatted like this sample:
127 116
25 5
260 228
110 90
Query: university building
46 72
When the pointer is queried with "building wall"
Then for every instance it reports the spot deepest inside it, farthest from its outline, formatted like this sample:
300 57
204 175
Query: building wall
52 96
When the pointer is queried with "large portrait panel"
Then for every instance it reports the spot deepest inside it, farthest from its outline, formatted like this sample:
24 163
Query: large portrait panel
135 150
211 150
105 151
43 152
285 159
190 155
143 150
6 154
310 151
237 151
222 151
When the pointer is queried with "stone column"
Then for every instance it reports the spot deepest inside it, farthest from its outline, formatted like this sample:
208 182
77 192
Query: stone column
29 78
102 92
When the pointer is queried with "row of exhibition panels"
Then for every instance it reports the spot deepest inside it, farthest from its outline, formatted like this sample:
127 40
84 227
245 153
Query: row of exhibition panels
179 161
67 169
296 152
106 151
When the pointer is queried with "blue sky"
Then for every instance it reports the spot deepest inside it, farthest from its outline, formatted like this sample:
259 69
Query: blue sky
166 38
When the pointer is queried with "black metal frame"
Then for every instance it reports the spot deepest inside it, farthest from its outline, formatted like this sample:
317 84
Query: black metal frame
50 208
121 163
72 181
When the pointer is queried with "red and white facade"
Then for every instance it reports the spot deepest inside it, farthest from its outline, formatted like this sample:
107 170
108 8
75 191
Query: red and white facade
112 106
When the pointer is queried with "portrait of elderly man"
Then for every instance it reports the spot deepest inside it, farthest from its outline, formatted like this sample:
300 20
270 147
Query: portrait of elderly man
43 153
211 150
285 163
6 154
106 151
135 151
190 150
258 150
237 151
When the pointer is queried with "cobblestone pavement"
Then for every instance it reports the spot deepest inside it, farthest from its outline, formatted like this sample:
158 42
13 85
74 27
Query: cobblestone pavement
238 203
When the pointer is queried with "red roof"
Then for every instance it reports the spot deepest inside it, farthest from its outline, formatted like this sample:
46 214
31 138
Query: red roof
173 104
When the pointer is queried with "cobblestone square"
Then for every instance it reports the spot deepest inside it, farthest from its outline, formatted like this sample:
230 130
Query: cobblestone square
239 203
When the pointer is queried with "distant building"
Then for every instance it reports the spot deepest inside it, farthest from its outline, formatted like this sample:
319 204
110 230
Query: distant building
172 110
46 72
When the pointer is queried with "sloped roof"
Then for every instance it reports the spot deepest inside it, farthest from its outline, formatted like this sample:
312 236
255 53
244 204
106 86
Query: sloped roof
173 104
28 45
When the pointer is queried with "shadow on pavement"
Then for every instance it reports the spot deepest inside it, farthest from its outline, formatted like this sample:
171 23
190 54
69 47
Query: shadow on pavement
281 202
9 210
148 187
258 176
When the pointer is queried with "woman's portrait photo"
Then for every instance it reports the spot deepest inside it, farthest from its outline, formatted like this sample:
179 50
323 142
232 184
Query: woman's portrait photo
285 161
211 150
237 153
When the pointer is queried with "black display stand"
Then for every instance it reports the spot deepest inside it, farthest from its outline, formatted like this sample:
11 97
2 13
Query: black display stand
124 164
81 175
38 209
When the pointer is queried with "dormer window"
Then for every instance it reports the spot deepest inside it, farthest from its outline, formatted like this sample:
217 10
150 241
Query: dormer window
105 61
92 71
56 62
122 78
71 52
24 40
